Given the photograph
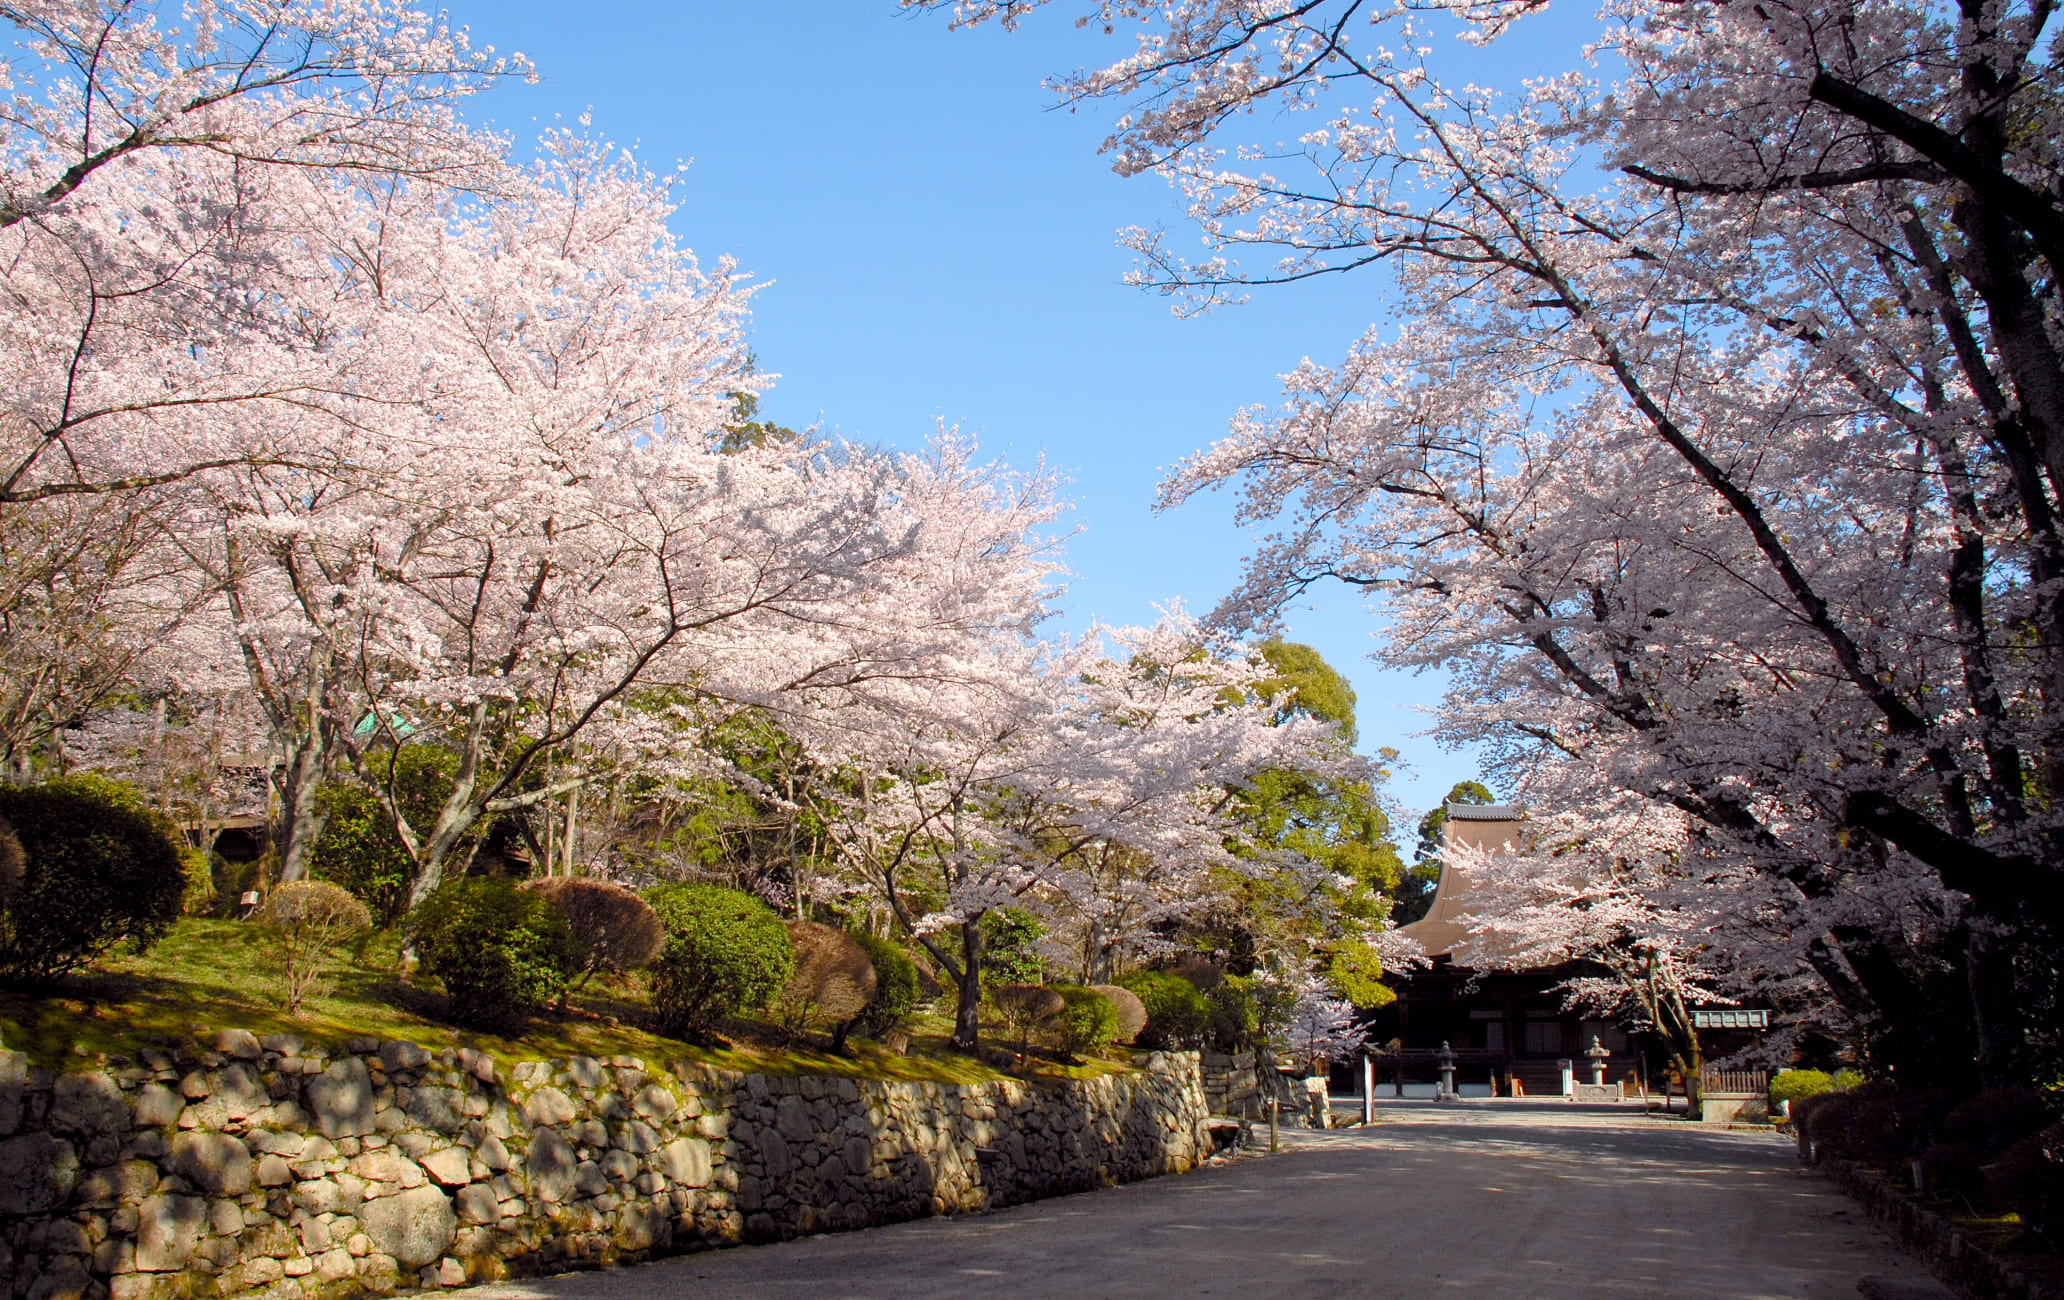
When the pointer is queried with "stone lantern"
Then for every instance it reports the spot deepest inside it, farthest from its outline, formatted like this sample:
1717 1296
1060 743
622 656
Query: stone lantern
1597 1053
1447 1073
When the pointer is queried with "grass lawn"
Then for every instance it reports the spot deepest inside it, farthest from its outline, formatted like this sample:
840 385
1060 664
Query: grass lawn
211 974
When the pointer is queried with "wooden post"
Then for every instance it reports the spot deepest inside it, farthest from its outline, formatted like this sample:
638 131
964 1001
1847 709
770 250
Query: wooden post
1368 1090
1273 1102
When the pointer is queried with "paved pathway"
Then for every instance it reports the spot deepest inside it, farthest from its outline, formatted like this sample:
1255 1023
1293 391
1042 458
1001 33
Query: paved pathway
1501 1199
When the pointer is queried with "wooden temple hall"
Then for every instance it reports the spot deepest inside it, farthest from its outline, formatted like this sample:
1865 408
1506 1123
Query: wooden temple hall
1507 1028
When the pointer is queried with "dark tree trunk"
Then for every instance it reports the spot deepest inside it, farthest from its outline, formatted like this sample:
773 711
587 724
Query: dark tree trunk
967 1018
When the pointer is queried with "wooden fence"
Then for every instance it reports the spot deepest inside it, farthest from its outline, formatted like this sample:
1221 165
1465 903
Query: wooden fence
1734 1083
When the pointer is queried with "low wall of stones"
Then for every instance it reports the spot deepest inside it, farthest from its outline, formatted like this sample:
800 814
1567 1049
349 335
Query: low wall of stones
272 1167
1950 1255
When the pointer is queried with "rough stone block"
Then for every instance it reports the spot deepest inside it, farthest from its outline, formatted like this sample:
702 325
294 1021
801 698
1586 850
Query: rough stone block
168 1229
477 1204
240 1043
158 1106
88 1106
549 1106
37 1173
341 1099
550 1163
213 1162
403 1056
414 1227
586 1071
450 1167
442 1109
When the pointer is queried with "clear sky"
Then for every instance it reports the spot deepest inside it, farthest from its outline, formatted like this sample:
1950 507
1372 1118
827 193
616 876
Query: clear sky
937 242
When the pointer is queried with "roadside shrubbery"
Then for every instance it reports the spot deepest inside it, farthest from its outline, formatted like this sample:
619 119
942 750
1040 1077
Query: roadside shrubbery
97 868
1130 1012
833 980
1795 1086
499 951
726 953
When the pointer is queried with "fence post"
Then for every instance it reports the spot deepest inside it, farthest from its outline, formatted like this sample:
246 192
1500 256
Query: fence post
1368 1090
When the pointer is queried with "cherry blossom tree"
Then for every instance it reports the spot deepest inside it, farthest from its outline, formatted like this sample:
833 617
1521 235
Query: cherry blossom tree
1716 450
155 326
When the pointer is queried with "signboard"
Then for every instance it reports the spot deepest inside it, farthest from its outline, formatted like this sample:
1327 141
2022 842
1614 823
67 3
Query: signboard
1729 1018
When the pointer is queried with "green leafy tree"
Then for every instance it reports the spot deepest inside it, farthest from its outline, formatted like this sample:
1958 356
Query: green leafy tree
1337 824
358 847
1010 946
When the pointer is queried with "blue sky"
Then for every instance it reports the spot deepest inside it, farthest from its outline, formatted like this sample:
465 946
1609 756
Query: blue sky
938 243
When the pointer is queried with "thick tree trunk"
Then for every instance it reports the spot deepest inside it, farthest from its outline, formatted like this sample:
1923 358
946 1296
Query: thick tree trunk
1989 971
299 825
967 1017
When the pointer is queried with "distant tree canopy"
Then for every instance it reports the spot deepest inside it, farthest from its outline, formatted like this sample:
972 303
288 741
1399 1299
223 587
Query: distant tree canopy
1305 683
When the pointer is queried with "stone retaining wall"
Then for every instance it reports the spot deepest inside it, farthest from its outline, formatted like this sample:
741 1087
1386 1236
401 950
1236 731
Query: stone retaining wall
271 1167
1967 1267
1231 1084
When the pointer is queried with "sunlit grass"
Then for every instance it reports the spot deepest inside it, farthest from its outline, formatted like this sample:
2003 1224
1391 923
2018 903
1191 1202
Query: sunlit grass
212 974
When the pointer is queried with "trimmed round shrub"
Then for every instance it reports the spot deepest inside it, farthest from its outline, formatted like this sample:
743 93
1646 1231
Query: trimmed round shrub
726 953
832 982
1086 1022
1996 1119
1131 1012
2030 1178
1176 1012
498 950
308 920
1025 1009
1797 1085
613 929
1873 1125
896 990
97 868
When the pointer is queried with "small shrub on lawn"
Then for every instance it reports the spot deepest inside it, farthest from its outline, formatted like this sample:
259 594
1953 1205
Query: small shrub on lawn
1086 1022
498 950
97 868
1131 1012
307 921
1024 1010
895 996
1796 1086
1176 1012
832 982
613 929
726 953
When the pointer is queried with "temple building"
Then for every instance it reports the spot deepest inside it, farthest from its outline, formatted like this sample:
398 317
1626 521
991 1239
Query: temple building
1507 1027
